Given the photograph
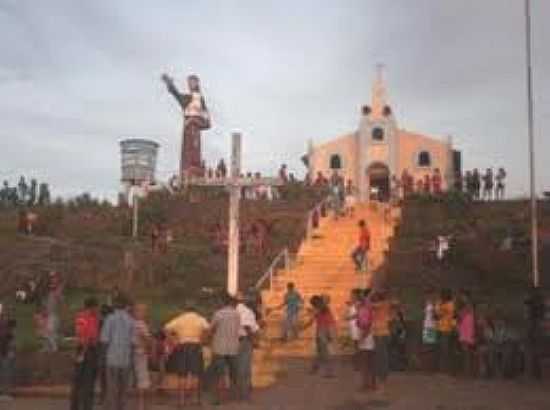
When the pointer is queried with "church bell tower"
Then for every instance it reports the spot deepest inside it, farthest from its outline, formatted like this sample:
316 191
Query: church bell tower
377 144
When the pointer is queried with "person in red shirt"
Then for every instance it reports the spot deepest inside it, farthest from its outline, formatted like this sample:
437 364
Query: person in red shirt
87 356
359 254
325 334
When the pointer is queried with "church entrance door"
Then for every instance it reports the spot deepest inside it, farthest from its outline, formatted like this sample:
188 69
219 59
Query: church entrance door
379 182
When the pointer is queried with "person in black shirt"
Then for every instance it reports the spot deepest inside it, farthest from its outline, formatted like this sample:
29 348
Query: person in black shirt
534 313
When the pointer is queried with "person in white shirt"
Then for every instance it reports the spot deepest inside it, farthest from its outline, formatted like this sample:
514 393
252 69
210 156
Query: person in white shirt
353 329
247 336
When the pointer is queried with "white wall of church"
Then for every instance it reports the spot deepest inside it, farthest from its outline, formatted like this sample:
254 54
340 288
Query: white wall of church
411 145
345 148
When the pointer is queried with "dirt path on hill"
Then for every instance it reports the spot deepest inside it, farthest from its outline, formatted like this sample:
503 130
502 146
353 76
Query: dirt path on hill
412 391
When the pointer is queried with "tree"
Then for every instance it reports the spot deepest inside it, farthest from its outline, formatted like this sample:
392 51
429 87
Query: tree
23 189
32 193
43 194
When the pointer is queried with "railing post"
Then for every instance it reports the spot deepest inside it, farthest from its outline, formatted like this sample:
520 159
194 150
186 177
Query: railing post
271 278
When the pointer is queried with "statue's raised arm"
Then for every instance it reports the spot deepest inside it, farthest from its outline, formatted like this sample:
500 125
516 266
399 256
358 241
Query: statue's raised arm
172 89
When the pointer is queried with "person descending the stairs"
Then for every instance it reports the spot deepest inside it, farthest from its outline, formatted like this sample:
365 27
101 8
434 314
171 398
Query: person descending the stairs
359 254
325 334
293 302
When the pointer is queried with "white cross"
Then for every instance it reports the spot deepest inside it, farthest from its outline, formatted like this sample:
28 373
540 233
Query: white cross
235 184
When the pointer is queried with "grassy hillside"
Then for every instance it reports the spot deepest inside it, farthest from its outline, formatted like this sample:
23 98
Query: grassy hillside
86 242
497 276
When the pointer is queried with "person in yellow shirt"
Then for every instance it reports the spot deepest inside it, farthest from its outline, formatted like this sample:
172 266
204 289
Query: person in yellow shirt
446 324
188 331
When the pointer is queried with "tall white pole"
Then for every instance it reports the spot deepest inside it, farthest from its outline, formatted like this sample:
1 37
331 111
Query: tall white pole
234 200
531 128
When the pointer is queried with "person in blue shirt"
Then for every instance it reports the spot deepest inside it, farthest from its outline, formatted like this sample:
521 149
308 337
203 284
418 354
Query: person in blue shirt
117 335
293 302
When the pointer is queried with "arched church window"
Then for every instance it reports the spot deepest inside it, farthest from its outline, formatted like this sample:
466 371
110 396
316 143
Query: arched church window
335 162
378 134
424 159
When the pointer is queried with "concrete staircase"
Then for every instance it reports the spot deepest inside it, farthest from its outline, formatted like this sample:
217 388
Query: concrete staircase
322 266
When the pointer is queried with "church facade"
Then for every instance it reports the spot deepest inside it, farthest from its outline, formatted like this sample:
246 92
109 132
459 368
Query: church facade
379 150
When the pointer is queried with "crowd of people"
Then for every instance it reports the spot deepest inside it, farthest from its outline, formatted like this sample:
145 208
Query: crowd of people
376 328
482 342
117 347
487 186
478 186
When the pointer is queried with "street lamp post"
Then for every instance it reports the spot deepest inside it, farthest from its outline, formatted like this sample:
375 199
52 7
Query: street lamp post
531 128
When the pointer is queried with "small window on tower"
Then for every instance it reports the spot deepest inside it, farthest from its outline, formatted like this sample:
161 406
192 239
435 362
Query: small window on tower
424 159
335 162
378 134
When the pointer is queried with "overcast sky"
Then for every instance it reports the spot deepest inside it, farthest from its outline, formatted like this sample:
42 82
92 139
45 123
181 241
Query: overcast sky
77 76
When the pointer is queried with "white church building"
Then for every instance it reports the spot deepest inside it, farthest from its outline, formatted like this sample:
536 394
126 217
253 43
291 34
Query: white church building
379 149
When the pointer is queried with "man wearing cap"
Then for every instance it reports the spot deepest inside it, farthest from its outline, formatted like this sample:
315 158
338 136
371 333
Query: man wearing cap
247 334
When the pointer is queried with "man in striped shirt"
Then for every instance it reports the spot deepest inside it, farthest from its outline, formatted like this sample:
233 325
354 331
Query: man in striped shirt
117 336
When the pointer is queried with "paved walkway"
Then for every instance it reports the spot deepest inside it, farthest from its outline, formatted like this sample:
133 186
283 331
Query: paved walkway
412 391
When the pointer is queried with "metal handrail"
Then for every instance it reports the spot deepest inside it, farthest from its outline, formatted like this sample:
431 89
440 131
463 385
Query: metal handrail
285 253
270 272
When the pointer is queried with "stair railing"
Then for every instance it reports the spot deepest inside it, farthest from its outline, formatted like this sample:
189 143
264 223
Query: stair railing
283 258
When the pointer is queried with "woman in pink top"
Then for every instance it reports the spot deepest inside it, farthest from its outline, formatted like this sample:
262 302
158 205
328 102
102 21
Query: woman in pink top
467 336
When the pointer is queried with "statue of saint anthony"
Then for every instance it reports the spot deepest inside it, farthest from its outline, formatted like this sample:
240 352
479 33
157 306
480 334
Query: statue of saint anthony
195 119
